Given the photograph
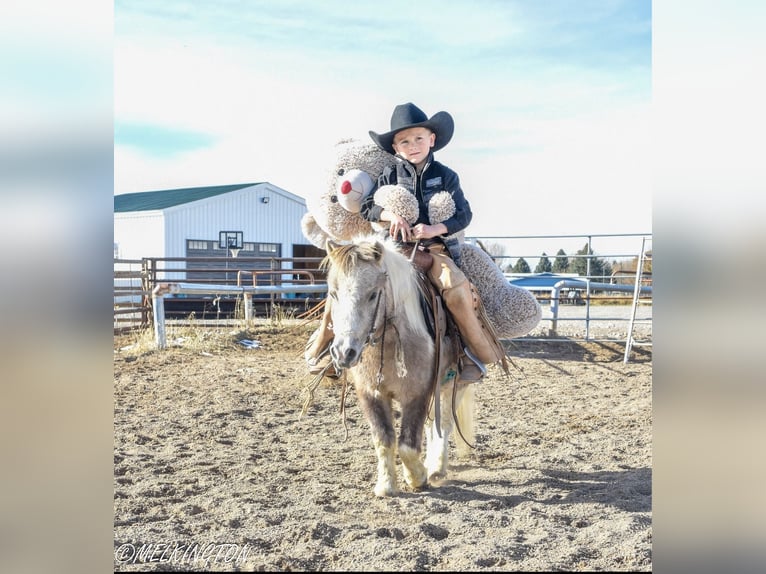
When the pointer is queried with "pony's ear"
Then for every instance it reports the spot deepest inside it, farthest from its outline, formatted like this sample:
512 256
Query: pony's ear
330 246
377 251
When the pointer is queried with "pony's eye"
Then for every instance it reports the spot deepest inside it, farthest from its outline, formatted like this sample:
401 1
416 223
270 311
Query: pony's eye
373 296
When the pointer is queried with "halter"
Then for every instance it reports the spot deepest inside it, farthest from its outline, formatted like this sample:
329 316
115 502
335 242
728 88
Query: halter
371 339
371 335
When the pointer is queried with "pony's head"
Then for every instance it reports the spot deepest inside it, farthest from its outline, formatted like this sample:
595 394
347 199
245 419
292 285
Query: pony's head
369 282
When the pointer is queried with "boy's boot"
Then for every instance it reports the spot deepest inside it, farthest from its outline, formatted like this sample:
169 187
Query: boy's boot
482 346
317 353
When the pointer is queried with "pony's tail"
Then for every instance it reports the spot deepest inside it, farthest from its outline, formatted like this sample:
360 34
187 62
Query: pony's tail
465 439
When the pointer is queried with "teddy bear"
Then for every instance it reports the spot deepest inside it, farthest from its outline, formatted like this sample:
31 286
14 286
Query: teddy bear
513 311
334 213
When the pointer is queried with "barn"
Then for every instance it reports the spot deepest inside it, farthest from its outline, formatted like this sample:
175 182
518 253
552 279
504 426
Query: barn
215 235
209 234
263 220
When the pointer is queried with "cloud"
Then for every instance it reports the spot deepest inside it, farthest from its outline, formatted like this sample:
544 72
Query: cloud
589 173
542 98
159 141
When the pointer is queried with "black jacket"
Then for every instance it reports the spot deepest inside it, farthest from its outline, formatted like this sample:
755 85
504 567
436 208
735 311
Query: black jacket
435 177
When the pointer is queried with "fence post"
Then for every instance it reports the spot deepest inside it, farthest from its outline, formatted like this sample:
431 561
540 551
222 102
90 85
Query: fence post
248 307
555 294
158 304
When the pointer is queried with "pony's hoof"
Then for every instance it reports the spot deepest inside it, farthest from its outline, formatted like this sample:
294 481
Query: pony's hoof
437 477
419 488
384 490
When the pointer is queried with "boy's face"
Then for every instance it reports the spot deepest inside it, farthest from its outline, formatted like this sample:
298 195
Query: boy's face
413 144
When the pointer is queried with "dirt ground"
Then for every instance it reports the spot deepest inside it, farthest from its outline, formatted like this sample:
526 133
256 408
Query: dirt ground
215 469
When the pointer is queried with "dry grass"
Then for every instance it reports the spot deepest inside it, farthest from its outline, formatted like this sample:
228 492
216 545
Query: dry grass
213 335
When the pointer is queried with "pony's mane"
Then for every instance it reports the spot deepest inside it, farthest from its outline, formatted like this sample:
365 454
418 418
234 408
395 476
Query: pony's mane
401 273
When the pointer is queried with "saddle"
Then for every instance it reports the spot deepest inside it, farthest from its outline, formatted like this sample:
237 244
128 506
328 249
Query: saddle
439 321
447 345
419 256
438 317
441 326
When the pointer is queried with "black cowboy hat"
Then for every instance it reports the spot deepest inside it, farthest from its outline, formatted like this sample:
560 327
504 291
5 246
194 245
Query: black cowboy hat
410 116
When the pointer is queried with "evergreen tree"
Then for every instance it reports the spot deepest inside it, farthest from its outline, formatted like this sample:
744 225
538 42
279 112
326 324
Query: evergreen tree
544 265
561 264
599 268
521 266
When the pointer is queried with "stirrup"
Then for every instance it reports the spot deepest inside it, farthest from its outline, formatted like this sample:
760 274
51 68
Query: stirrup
473 358
470 373
325 369
323 364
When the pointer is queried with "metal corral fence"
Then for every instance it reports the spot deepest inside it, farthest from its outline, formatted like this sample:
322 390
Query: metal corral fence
132 295
576 306
212 288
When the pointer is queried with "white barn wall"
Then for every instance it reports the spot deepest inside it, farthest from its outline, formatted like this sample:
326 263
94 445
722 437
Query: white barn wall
277 221
163 233
139 234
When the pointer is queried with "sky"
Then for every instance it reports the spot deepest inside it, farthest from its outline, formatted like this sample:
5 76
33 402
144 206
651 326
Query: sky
550 99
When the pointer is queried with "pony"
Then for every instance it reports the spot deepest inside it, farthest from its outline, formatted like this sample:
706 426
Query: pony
383 344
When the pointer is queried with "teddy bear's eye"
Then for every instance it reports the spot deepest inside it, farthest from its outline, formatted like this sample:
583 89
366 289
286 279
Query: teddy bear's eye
341 171
334 199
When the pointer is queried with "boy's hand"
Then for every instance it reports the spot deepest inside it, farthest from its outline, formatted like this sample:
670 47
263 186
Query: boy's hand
423 231
398 226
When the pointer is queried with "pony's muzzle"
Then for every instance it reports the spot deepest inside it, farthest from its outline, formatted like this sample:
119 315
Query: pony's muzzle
344 355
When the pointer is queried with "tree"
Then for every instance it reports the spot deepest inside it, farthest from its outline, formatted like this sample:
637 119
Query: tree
521 266
544 265
495 250
599 269
561 264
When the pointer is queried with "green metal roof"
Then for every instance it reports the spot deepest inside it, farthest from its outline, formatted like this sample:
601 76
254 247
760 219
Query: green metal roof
150 200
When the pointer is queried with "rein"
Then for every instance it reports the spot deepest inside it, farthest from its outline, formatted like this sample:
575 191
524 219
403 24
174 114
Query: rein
371 335
372 341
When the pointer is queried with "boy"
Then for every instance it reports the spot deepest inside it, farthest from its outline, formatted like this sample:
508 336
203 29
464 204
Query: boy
413 139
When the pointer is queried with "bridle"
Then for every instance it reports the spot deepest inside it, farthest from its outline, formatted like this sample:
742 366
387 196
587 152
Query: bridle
372 339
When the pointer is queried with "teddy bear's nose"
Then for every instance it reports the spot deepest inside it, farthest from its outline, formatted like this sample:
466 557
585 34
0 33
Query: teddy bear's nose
345 187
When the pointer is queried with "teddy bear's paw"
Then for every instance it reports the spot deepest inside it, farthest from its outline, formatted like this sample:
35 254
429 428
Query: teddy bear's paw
398 200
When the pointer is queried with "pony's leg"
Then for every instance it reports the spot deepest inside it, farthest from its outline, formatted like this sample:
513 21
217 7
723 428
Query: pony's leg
466 411
437 450
386 483
410 439
437 440
380 419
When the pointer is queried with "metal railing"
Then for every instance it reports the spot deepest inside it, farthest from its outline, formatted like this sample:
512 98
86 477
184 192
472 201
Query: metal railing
599 288
281 280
